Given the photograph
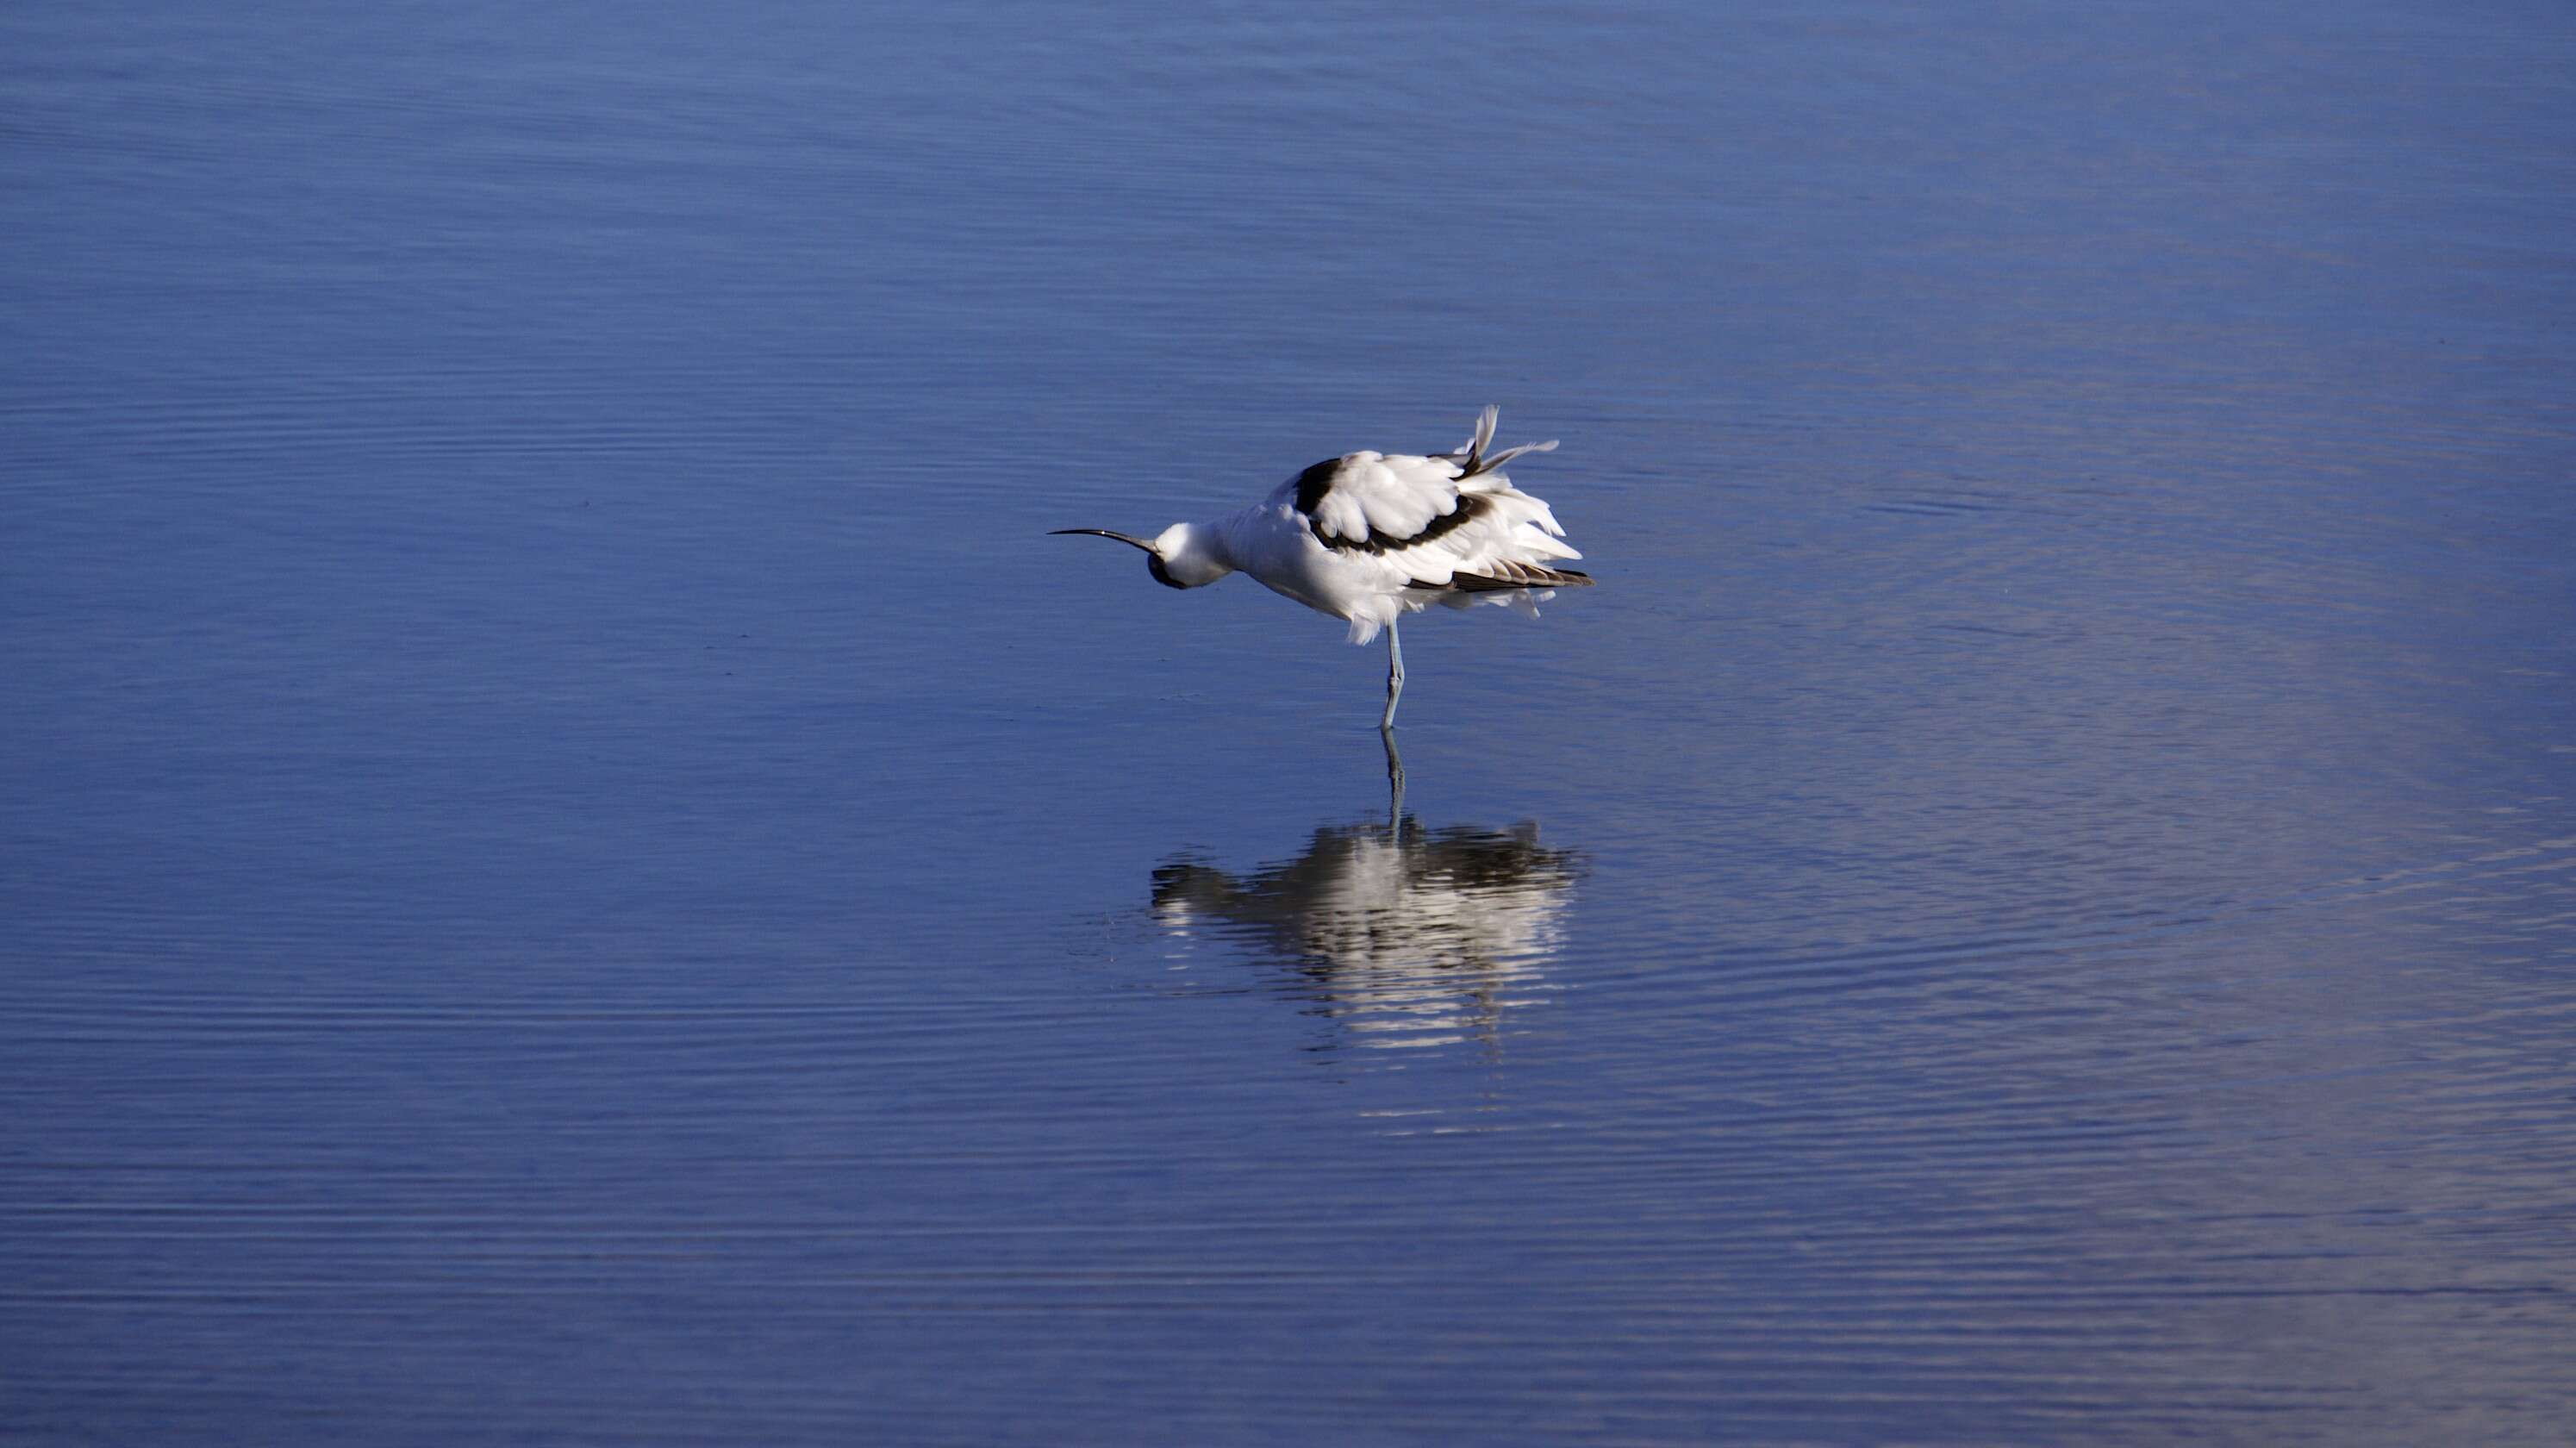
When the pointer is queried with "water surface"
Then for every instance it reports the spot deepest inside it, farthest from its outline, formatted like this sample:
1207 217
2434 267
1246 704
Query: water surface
579 869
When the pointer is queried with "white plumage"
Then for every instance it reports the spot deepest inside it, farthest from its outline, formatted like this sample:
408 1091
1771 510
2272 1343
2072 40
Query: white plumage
1369 537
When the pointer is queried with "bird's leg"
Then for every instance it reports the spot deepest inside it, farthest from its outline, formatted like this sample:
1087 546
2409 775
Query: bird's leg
1394 784
1394 675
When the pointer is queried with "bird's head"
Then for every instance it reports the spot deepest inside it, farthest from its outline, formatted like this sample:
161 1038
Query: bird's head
1182 556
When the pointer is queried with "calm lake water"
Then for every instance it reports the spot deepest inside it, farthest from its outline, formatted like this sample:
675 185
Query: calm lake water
578 868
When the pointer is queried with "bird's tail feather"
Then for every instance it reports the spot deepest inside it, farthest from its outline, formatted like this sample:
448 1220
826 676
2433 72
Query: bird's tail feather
1475 461
1505 573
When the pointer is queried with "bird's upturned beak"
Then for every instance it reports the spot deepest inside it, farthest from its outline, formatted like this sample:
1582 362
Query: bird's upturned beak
1103 533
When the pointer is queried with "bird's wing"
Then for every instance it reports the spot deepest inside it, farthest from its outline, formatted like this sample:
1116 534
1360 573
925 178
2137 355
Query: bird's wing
1444 522
1373 501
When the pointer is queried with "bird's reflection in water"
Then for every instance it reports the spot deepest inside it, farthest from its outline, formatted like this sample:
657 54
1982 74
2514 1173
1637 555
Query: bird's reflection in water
1405 935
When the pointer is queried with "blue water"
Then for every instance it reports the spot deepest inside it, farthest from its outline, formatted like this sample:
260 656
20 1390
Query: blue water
576 868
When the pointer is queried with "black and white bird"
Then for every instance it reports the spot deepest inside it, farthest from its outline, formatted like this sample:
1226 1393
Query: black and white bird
1369 537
